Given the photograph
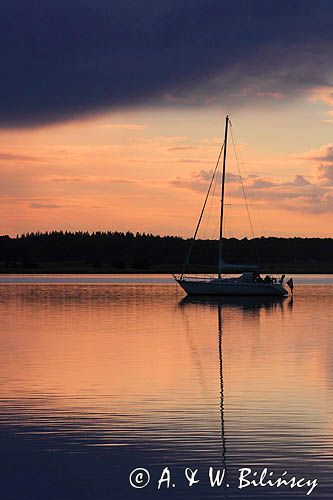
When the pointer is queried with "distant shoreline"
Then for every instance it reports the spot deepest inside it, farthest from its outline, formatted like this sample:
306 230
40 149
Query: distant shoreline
127 253
287 268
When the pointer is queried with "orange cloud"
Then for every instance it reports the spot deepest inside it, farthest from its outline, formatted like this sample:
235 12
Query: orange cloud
16 157
325 153
323 93
44 205
296 194
323 171
182 148
325 175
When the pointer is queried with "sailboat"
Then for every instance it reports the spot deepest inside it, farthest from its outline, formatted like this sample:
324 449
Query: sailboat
249 282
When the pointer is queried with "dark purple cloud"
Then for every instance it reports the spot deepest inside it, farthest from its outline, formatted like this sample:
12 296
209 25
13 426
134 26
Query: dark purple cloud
65 58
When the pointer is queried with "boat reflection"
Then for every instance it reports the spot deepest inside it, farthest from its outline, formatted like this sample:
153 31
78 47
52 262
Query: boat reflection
243 303
247 305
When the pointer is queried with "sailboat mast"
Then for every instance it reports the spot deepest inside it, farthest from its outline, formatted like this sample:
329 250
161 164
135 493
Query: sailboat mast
222 195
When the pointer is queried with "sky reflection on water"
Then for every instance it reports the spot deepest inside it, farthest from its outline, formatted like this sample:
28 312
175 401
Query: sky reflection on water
97 380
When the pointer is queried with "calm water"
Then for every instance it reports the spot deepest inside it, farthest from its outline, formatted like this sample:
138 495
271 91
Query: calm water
102 375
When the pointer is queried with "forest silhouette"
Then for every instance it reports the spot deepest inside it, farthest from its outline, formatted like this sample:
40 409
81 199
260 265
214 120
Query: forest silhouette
63 251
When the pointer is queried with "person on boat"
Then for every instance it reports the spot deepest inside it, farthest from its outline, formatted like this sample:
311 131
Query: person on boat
282 278
268 279
257 278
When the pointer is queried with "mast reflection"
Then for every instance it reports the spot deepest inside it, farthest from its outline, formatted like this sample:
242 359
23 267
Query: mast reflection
223 437
246 305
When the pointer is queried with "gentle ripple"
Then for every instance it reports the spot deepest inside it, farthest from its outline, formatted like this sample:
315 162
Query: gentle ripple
100 377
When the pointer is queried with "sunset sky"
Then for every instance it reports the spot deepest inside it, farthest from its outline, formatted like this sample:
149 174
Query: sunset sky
112 115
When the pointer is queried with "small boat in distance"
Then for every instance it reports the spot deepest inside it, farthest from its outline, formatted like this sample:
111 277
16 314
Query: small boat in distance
249 282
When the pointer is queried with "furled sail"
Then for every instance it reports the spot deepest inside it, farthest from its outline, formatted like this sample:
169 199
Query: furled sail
235 268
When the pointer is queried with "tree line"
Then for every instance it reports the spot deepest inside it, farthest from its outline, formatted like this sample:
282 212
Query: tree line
143 251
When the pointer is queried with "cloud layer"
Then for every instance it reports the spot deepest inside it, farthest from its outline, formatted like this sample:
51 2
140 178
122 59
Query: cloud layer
296 194
63 59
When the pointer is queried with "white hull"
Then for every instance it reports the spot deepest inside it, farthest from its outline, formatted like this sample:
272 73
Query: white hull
231 288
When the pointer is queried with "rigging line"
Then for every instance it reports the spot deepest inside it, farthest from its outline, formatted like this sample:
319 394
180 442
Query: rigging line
202 212
242 184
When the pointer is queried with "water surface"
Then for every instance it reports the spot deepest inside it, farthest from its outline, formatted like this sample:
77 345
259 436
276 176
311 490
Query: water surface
99 378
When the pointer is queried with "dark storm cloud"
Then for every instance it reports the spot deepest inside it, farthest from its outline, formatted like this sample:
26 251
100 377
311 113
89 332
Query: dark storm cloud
63 58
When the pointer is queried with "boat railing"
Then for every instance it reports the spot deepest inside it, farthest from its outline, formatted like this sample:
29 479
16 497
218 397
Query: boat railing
193 278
